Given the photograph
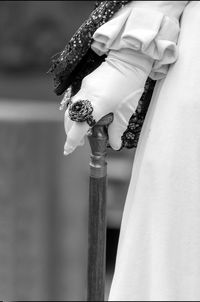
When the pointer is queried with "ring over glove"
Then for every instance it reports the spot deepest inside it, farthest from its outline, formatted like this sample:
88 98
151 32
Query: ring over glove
115 86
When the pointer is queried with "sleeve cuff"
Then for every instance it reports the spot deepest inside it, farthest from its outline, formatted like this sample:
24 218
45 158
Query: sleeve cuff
147 31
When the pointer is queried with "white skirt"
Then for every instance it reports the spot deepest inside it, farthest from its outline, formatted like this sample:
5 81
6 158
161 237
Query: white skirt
159 248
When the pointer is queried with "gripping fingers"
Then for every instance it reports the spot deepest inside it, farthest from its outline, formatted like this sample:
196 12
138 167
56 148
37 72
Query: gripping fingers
75 136
121 118
67 122
76 131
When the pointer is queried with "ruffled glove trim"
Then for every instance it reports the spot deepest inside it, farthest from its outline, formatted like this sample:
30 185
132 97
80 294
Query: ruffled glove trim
150 32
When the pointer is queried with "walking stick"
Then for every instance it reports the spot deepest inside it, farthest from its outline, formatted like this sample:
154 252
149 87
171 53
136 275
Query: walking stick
98 139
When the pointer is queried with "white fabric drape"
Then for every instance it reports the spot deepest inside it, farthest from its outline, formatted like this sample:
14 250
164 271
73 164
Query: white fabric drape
159 247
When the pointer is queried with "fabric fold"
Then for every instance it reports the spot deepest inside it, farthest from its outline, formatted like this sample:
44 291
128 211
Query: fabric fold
141 29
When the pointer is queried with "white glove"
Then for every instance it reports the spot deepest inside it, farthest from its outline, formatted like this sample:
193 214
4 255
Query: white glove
115 86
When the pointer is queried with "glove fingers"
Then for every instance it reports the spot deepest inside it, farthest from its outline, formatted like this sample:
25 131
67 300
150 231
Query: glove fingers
67 122
76 131
115 132
75 136
121 118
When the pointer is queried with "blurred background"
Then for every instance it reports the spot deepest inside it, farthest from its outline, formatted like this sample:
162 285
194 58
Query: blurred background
44 195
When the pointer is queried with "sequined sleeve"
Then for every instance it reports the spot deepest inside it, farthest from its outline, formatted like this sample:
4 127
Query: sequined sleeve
77 59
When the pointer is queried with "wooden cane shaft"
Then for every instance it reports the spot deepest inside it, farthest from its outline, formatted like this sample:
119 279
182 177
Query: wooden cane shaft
97 211
97 239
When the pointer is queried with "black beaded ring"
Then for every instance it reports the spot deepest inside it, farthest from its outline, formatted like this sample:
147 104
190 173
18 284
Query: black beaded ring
81 111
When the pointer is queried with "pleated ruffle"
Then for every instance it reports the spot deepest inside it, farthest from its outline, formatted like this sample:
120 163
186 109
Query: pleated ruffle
148 31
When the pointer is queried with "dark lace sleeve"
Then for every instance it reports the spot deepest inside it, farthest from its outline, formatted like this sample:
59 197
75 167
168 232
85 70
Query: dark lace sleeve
77 59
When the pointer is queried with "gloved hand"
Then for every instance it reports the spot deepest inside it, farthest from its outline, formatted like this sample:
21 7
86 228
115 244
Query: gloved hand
115 86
